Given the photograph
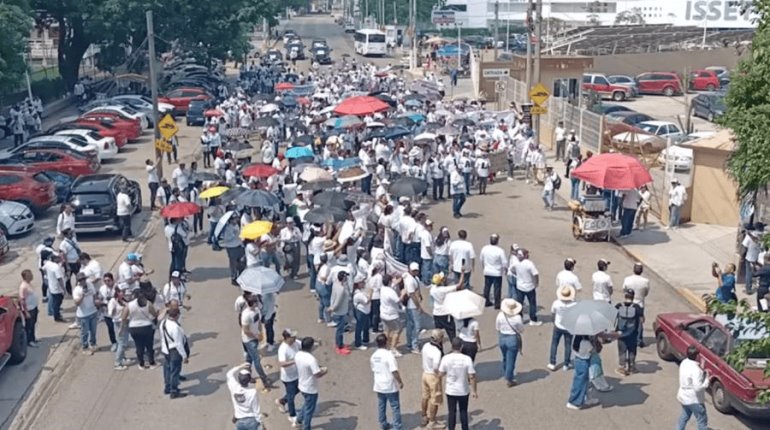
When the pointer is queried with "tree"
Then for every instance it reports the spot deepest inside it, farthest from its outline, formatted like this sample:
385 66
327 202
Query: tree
15 26
632 16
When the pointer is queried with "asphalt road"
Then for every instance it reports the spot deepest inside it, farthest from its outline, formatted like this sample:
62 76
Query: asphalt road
92 396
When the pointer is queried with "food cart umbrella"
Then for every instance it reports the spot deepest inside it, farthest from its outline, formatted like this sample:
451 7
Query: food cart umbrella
260 280
464 304
589 317
352 174
180 210
257 199
259 170
213 192
361 105
315 174
319 215
256 229
407 187
298 152
613 171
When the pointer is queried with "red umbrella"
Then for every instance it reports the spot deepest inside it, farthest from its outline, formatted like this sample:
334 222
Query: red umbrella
213 112
259 170
283 86
360 105
180 210
613 171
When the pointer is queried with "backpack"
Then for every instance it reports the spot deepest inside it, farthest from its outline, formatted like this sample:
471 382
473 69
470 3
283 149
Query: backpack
556 182
629 317
177 241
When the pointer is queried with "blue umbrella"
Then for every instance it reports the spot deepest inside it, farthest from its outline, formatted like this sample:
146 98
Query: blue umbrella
414 116
397 132
298 152
339 164
413 103
289 101
343 122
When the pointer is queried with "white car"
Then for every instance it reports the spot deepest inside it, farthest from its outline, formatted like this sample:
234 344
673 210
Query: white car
15 218
105 146
661 129
681 158
75 143
143 103
126 111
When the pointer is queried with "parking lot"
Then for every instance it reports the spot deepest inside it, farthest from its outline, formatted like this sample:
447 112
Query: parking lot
664 108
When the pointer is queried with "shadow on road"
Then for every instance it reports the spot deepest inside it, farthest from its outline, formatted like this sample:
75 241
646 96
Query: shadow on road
624 394
327 409
206 385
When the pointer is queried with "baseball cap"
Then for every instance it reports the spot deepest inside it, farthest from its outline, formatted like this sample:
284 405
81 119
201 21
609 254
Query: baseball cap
175 274
414 266
287 332
132 256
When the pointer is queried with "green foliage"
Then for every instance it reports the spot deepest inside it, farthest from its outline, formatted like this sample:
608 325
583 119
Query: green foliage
748 111
14 28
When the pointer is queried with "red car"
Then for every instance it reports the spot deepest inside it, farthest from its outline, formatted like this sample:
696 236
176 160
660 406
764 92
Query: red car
58 160
181 98
730 389
666 83
131 128
103 129
32 188
704 80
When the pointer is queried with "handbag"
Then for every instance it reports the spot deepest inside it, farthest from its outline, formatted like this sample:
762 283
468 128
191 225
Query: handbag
518 336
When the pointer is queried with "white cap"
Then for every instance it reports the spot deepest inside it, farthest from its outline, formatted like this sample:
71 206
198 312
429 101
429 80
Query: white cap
414 266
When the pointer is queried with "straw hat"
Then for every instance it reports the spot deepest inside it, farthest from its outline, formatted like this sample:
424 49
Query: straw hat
328 245
437 335
566 293
510 307
438 278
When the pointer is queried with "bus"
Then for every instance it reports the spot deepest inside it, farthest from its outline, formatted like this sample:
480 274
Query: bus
370 42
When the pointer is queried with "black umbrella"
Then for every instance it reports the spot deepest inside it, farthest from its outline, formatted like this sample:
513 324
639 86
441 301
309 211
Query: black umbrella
265 121
304 140
319 186
205 176
332 199
358 197
321 215
387 99
432 126
460 122
236 132
414 96
407 187
231 194
256 199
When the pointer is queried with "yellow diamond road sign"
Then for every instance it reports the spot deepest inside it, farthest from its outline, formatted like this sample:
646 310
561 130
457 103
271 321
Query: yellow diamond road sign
167 127
538 110
539 94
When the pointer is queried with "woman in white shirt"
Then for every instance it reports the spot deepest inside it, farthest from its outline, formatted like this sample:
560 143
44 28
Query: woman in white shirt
582 348
323 288
139 315
441 251
252 253
66 220
468 332
442 319
362 305
509 326
115 307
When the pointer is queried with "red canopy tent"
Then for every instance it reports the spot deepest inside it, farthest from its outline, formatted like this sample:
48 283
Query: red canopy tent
360 105
613 171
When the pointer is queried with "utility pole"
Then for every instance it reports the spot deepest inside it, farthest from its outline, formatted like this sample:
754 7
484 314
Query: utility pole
530 10
395 13
538 49
154 90
497 17
413 27
507 34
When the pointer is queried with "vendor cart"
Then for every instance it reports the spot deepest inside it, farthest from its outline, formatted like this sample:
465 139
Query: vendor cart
590 219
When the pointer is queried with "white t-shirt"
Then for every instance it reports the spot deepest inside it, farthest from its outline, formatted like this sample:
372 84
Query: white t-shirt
525 275
461 250
557 309
390 305
124 204
180 178
307 367
252 254
411 286
493 260
245 400
87 307
457 368
431 358
467 334
568 277
287 352
125 272
53 273
752 248
602 284
250 317
361 302
383 364
152 174
426 241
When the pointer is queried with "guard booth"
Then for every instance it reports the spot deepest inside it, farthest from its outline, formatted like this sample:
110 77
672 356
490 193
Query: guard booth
562 75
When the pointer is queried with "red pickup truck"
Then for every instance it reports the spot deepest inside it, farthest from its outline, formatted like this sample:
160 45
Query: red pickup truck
13 337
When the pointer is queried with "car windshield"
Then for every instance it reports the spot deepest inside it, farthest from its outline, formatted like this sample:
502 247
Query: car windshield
649 128
91 199
376 38
42 177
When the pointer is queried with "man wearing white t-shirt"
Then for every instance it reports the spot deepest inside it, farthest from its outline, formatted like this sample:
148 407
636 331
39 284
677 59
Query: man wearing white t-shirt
494 262
431 380
527 281
462 257
246 410
752 243
308 372
414 308
390 310
180 177
387 383
568 276
251 333
84 295
602 282
460 376
289 376
123 211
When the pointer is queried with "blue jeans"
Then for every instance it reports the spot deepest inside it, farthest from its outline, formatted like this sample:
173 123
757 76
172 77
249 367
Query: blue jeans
212 240
177 261
699 410
749 271
362 328
458 200
466 282
674 212
172 368
627 221
251 348
575 191
440 264
305 416
395 406
339 330
509 348
54 302
413 326
531 297
249 423
577 393
467 179
548 198
271 257
426 271
87 330
512 287
292 389
398 247
311 271
366 185
122 338
324 299
438 188
555 338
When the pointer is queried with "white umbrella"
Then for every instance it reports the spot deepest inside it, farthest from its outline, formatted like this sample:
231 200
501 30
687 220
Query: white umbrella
589 317
425 136
328 109
464 304
270 107
222 223
375 124
260 280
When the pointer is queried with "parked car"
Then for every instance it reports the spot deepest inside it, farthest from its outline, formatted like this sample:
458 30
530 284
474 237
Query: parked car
607 109
31 188
103 129
143 104
63 182
653 130
59 160
195 111
708 106
298 48
666 83
125 112
723 73
129 128
181 98
106 146
73 143
322 55
4 248
13 336
318 43
703 80
288 35
680 158
625 80
94 198
599 84
629 117
15 218
273 56
715 338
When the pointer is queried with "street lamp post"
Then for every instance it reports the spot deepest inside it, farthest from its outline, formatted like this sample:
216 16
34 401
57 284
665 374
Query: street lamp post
459 25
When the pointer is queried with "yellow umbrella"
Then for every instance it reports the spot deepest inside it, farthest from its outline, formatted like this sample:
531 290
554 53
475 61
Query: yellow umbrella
213 192
256 229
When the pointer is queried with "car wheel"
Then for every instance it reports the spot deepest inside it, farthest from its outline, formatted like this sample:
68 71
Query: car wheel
719 398
668 91
618 96
138 207
710 117
710 87
664 347
18 349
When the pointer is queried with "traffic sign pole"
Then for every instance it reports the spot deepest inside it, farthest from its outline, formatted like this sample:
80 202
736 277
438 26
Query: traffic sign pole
154 90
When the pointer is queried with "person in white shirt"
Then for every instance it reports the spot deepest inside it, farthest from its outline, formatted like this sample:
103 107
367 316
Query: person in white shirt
387 383
431 379
462 257
175 291
390 310
362 307
568 276
527 281
309 373
173 346
513 261
414 307
602 282
560 138
460 376
458 190
693 382
565 299
246 409
482 171
65 220
677 196
641 288
251 334
123 211
425 236
291 237
752 243
70 251
53 271
87 301
180 177
289 376
549 188
494 262
152 182
509 326
130 272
